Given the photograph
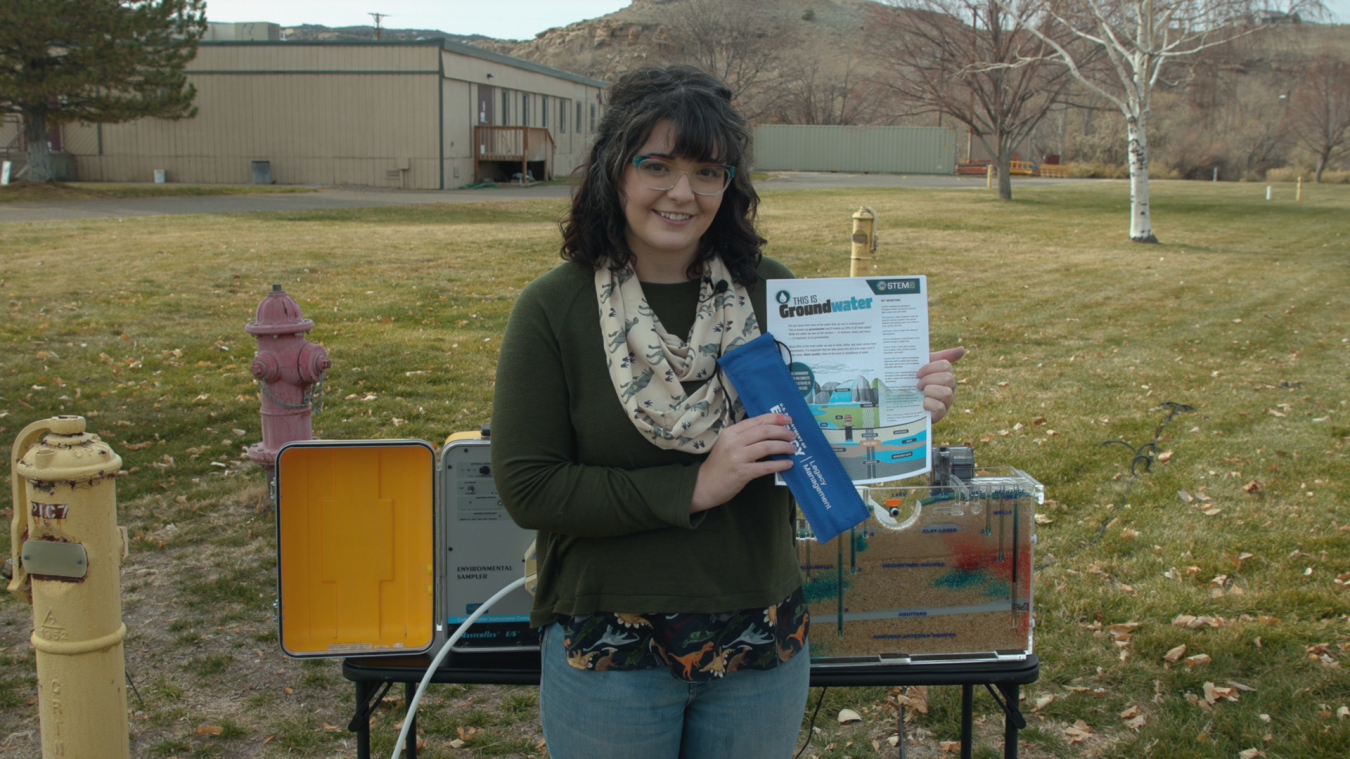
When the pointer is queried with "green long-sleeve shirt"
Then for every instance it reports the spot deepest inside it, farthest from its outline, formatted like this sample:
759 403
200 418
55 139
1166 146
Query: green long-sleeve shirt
612 509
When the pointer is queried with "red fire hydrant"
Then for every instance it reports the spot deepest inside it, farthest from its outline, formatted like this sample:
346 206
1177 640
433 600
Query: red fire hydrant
290 371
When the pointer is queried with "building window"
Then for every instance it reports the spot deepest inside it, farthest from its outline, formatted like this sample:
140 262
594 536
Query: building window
578 124
562 116
543 111
592 117
506 107
524 109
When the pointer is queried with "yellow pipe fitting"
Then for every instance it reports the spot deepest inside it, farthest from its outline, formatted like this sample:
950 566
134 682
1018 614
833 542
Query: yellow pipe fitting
67 552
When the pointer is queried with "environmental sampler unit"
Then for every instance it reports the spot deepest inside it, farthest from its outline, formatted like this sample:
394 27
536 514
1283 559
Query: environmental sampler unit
386 547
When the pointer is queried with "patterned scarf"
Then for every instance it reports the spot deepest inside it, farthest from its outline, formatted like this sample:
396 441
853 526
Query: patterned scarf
647 364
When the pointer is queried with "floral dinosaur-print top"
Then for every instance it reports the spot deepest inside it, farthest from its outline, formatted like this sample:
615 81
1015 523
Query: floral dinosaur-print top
695 647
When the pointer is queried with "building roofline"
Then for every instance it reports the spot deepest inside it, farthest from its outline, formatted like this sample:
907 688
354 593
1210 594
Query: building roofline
441 42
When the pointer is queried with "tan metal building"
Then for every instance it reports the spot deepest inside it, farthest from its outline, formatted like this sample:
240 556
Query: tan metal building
882 150
430 114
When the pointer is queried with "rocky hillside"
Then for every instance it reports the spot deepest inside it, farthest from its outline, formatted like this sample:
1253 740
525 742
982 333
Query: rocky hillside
824 30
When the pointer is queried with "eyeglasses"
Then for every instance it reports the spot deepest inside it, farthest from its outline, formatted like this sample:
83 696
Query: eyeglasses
662 174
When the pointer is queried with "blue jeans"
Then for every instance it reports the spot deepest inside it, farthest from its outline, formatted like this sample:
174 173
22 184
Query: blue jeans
650 714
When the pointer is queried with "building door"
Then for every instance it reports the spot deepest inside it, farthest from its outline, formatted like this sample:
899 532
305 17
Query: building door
485 104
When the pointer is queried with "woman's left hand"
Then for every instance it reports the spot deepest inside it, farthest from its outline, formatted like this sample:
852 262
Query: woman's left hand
937 380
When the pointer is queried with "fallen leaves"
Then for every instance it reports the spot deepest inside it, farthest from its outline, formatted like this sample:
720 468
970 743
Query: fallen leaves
1321 652
1213 693
465 734
1043 702
1195 623
1078 732
848 715
1165 456
949 746
914 697
209 730
1120 633
1199 660
1254 487
1044 519
1174 655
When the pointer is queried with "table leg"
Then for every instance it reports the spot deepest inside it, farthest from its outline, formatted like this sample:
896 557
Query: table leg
1011 693
410 748
967 707
362 725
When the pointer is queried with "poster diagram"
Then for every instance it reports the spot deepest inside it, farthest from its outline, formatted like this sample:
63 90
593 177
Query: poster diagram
855 346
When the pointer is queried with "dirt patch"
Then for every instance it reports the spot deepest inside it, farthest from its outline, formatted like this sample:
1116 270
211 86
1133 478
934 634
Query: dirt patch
207 675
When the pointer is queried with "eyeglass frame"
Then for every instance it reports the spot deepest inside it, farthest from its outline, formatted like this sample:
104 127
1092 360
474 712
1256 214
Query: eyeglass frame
637 164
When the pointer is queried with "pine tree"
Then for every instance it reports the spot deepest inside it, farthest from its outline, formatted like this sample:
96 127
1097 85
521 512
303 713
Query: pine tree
95 61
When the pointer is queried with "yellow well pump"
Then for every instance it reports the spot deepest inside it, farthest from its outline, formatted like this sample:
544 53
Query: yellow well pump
864 242
67 550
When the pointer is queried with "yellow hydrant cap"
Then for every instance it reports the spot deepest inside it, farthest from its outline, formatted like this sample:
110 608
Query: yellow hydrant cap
69 454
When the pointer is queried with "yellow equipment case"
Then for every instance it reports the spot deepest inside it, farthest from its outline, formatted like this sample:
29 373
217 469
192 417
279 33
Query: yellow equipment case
384 548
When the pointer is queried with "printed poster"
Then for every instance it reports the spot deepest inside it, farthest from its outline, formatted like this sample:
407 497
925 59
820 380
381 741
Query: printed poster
855 345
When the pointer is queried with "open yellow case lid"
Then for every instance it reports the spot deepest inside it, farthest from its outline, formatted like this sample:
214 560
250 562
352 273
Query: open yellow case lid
355 544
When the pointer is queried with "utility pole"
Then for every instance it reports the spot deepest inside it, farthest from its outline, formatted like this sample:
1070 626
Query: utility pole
378 18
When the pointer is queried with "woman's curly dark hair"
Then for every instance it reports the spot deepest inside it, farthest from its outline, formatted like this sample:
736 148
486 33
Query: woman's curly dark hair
707 128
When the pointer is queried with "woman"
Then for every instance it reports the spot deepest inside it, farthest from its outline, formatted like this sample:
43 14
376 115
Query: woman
669 591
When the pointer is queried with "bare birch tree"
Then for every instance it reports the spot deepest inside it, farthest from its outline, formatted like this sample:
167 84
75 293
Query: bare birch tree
1143 40
970 61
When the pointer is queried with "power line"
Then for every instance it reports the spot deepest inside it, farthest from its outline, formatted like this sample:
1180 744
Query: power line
378 18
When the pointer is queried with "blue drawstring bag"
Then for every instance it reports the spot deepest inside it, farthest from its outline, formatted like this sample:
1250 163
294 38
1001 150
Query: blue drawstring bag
817 480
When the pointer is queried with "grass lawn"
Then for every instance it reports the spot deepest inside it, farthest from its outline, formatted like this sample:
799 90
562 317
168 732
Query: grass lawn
1075 337
45 192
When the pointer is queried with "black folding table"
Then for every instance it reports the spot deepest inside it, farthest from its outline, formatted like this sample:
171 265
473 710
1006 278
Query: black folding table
1004 680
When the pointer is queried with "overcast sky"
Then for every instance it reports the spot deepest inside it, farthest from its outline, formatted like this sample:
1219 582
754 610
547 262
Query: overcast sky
504 19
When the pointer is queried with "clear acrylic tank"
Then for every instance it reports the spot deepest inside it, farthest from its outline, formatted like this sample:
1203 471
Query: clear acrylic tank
935 574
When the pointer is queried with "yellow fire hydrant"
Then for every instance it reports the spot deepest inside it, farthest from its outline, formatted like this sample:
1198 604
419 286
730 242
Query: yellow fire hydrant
67 550
864 242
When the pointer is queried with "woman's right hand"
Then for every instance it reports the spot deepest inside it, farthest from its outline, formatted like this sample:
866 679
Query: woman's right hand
734 459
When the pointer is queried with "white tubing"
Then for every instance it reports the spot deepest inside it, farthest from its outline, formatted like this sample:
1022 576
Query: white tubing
440 656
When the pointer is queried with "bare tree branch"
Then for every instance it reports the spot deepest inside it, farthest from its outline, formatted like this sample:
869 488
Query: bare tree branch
1140 38
969 60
